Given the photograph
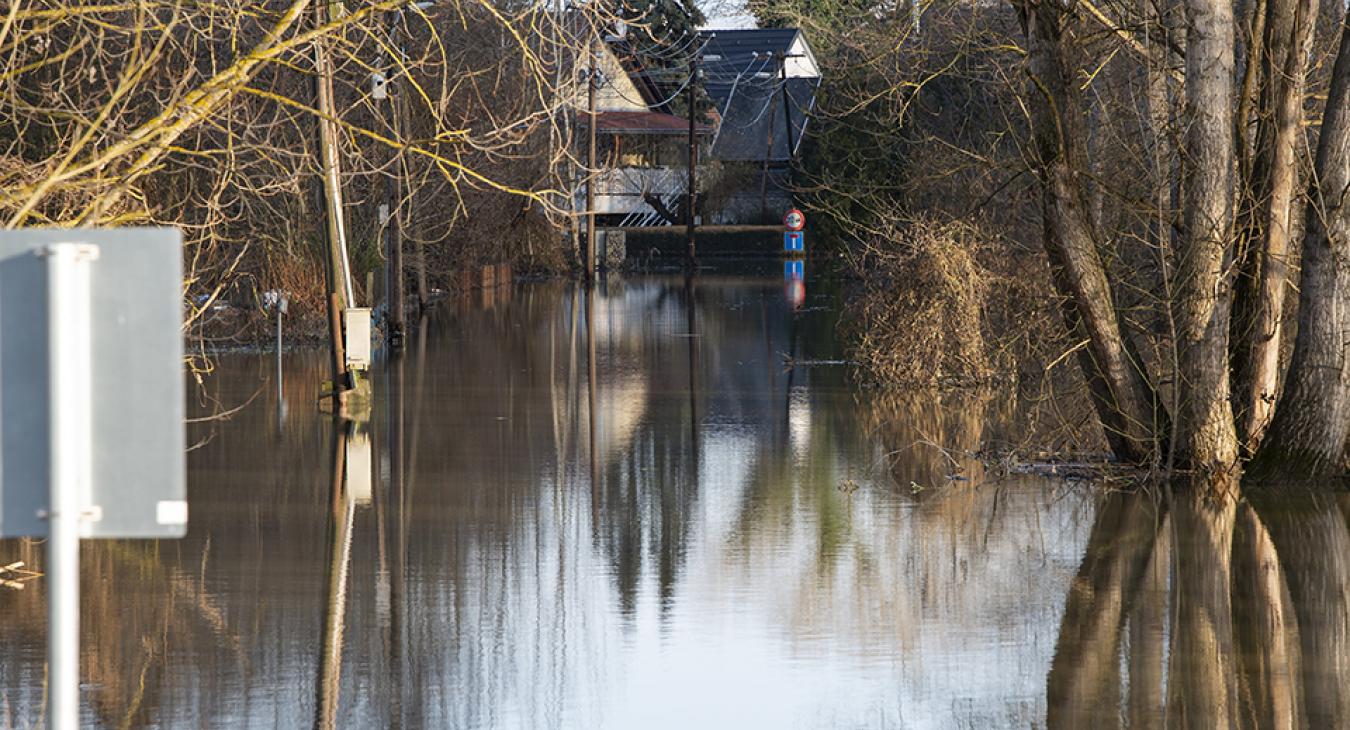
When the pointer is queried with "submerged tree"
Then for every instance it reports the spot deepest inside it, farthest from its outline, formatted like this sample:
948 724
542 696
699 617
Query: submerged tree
1199 255
1238 179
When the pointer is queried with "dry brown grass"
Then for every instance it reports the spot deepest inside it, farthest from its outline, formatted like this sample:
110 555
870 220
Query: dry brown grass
920 316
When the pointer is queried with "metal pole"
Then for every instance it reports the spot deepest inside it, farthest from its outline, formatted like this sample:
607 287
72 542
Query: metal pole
279 315
692 195
281 306
68 305
590 167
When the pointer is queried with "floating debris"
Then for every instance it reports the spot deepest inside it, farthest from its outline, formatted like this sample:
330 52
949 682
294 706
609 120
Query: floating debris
14 575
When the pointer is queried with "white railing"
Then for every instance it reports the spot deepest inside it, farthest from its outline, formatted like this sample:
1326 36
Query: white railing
622 191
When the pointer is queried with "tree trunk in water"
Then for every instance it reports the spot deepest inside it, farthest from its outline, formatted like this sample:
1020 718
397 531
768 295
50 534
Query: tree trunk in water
1202 681
1085 673
1309 429
1263 276
1205 434
1268 644
1125 402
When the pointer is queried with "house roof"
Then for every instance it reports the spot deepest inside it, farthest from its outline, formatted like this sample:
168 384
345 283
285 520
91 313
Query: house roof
747 84
655 123
754 121
742 43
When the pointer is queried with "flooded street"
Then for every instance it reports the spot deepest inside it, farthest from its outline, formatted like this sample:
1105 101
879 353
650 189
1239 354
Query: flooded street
665 505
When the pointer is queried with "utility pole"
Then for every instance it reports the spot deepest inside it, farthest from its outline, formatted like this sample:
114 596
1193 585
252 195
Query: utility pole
692 184
393 225
339 280
787 121
590 165
768 153
787 107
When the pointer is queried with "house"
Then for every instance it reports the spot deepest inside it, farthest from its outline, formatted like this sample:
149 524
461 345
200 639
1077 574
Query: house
763 83
641 149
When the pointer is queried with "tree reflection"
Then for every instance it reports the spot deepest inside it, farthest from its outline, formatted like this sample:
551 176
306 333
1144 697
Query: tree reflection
1258 596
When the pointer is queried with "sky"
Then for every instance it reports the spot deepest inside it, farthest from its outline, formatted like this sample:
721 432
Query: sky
726 14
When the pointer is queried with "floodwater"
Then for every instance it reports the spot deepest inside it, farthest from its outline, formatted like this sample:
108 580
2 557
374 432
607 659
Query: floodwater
662 504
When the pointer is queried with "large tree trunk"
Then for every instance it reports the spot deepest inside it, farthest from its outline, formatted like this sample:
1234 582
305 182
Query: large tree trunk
1308 433
1259 310
1206 436
1126 404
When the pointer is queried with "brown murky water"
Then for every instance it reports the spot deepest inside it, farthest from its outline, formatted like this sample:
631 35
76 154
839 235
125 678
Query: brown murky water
653 507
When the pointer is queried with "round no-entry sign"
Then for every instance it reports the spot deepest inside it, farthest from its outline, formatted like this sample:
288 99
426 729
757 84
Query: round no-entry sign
794 220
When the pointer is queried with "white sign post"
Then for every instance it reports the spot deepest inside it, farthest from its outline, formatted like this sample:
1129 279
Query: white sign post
92 409
71 367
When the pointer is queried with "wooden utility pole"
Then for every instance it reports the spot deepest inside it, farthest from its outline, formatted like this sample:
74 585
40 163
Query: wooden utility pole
393 227
768 153
339 282
787 107
590 165
787 119
692 193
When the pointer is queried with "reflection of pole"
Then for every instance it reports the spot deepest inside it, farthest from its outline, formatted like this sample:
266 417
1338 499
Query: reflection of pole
692 323
590 394
396 498
402 501
71 424
341 511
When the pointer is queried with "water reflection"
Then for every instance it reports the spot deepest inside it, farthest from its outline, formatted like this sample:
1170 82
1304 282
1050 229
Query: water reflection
1219 614
660 503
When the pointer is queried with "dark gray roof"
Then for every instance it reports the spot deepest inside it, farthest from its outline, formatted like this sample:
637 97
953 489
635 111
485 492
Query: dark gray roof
740 45
745 85
753 110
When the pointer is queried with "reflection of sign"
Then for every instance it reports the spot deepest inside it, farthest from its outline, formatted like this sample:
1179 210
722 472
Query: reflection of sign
794 241
794 284
359 467
122 309
795 220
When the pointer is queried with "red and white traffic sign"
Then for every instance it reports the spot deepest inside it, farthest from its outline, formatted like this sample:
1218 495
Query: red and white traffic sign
794 220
